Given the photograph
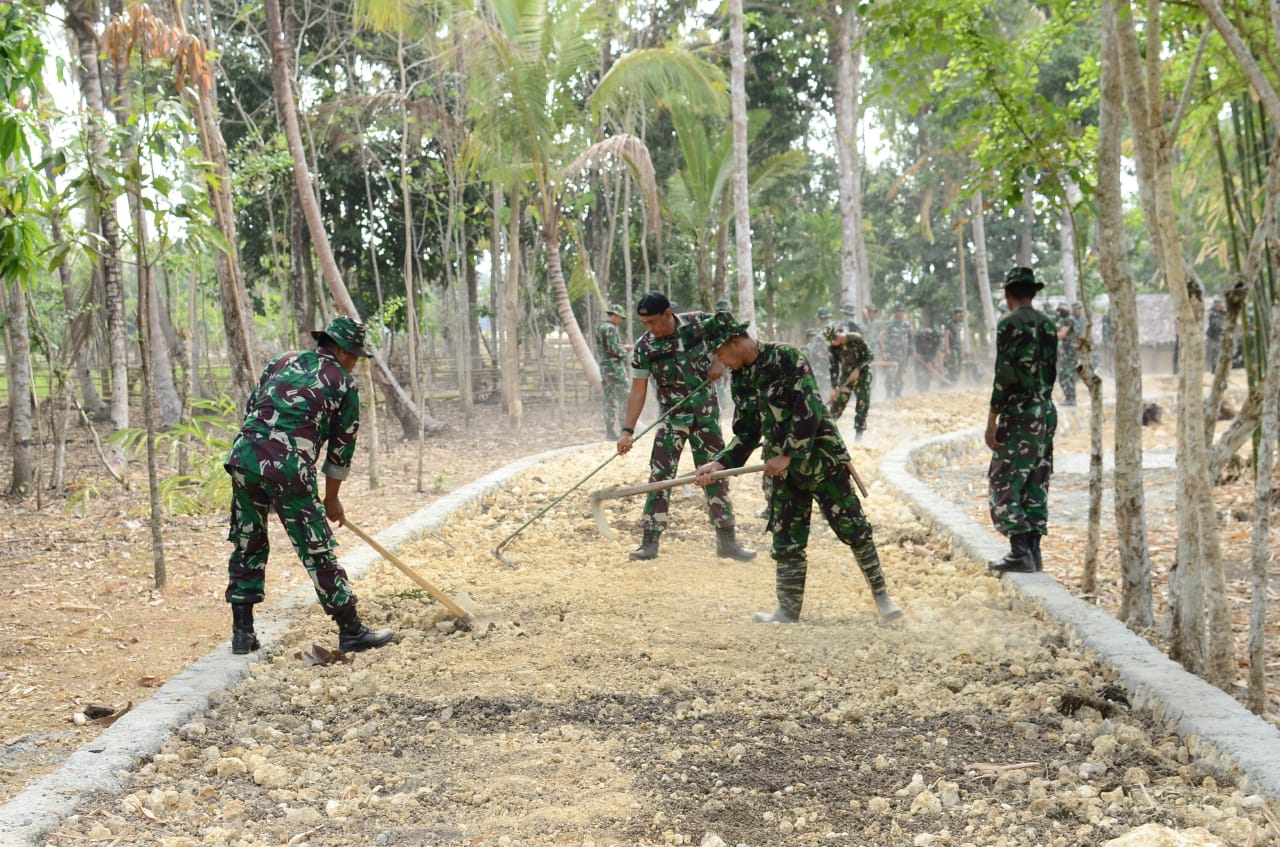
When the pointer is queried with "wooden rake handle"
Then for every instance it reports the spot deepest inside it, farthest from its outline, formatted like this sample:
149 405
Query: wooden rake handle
440 596
613 493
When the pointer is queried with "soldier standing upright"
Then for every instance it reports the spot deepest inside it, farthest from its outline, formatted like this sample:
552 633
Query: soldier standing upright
928 343
850 371
954 330
1213 334
899 344
611 353
1068 355
674 352
777 408
1021 423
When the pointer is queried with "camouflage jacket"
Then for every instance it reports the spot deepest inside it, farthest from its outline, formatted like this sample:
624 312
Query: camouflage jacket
853 353
1217 322
898 341
610 352
1026 362
303 401
677 363
1068 353
777 407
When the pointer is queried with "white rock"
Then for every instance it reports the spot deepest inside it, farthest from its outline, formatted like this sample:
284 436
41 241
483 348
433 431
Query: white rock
1156 835
271 776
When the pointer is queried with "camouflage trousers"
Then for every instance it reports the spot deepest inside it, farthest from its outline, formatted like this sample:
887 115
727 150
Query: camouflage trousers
790 511
860 390
1067 380
897 377
702 431
1018 478
615 388
303 517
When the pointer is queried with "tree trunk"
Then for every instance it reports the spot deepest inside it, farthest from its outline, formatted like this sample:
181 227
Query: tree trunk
411 421
1136 608
1026 228
741 200
17 345
1263 496
980 267
510 316
233 301
1199 559
847 47
80 21
1067 248
564 308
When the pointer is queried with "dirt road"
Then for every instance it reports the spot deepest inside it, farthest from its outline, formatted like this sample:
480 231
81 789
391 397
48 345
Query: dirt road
622 703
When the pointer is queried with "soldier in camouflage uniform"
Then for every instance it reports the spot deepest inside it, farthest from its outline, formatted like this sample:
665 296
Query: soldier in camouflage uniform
611 353
1068 355
928 342
953 357
778 408
1021 424
1213 334
851 359
674 352
305 400
899 344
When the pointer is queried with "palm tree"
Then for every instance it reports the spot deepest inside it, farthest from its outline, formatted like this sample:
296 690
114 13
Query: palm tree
526 87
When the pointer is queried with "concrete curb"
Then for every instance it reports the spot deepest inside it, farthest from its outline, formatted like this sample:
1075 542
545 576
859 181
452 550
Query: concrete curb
1213 723
103 763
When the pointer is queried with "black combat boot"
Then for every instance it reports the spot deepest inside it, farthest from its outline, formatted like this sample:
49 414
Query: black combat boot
727 546
1020 558
354 636
1035 551
648 548
243 639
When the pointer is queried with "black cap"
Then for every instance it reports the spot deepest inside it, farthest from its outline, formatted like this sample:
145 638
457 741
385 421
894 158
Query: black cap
653 303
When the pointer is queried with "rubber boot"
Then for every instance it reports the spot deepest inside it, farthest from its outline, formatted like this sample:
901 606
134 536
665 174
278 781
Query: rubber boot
1020 558
648 548
888 609
1035 551
857 436
789 581
243 639
727 546
354 636
869 562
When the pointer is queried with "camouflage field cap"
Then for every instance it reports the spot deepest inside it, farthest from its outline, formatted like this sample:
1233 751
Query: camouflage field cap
871 307
850 311
346 333
723 327
615 309
1077 305
1022 276
824 314
722 305
899 308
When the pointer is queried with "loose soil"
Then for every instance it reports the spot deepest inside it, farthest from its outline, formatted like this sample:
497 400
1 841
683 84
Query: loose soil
603 701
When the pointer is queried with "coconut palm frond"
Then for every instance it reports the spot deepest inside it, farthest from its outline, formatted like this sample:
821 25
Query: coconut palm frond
662 74
635 154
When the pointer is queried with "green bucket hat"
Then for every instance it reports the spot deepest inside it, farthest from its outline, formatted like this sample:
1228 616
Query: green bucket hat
615 309
721 328
851 311
346 333
1022 276
824 313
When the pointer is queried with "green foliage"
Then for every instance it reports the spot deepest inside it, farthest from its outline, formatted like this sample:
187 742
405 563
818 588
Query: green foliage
22 57
205 438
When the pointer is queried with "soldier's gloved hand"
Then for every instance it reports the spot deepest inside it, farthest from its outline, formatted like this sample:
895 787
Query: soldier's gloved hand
704 473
